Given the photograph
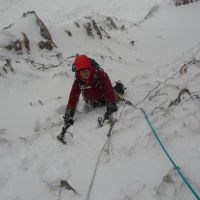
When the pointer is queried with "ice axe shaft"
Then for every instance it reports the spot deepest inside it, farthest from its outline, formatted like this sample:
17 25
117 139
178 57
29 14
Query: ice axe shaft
64 130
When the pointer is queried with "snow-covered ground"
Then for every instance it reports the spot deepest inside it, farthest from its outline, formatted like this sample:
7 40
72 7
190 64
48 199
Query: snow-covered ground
164 60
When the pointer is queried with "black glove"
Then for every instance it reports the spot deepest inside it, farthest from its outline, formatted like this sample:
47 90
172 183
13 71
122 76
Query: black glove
68 118
111 108
119 88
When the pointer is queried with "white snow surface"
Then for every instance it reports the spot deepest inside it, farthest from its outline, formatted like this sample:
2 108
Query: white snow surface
164 59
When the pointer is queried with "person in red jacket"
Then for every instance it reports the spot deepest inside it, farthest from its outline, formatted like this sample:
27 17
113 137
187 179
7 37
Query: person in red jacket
95 86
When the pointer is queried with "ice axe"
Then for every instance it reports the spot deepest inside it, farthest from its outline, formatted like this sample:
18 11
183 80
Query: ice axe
61 136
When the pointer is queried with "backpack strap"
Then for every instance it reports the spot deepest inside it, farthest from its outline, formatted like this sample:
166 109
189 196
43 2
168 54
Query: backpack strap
97 80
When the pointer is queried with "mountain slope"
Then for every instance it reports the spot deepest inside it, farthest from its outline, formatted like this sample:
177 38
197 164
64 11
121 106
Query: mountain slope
160 69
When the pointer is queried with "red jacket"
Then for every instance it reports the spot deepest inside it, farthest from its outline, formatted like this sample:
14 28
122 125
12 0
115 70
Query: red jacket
100 89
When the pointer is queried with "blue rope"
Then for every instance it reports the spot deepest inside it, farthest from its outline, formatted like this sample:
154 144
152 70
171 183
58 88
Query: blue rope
167 154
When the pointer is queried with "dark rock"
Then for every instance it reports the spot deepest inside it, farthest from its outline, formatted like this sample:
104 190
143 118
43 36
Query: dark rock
122 28
41 44
183 2
6 67
69 33
7 27
26 42
15 45
77 24
45 45
43 29
48 45
132 42
111 23
96 28
88 28
105 33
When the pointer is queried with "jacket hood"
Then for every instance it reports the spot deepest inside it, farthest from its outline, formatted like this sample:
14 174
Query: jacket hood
82 62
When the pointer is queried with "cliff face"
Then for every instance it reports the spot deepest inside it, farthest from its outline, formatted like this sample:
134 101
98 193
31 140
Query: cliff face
184 2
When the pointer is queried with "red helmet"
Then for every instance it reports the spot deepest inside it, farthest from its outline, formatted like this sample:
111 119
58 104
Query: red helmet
82 62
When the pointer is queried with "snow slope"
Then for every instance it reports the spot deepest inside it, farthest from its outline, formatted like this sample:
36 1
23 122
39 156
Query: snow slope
164 59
